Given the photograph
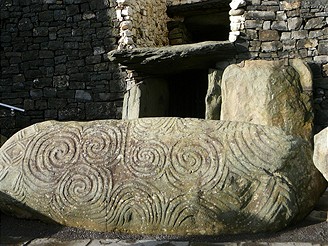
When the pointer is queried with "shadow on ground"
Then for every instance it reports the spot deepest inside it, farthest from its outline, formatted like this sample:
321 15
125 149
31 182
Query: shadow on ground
14 230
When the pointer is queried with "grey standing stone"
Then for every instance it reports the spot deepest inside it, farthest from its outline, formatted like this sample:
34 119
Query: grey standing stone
213 99
269 93
320 157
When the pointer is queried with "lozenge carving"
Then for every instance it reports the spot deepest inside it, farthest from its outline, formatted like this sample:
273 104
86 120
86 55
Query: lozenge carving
160 176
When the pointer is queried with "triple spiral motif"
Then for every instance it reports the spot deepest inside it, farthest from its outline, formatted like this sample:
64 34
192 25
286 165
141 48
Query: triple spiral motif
148 172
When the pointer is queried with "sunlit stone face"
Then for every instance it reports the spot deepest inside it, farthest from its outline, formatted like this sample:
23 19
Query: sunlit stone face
160 175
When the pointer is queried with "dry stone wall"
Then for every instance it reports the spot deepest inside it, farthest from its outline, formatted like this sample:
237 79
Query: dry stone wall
54 62
142 23
291 29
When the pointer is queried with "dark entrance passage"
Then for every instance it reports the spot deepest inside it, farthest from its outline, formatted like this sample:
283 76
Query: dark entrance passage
187 93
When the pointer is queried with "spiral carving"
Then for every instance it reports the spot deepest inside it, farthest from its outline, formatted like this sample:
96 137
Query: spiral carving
49 155
102 145
159 126
195 161
147 158
134 203
82 192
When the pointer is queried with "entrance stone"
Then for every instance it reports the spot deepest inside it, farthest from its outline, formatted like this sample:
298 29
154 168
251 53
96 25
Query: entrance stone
160 176
320 156
269 93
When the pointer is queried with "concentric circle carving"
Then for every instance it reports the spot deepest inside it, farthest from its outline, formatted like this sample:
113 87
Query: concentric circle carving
49 155
195 161
81 192
102 145
147 158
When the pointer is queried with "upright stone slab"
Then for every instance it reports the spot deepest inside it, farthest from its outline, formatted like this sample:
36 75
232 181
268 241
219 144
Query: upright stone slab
213 99
150 98
269 93
320 157
160 176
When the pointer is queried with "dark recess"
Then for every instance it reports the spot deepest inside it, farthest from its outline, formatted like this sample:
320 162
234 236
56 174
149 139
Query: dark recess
187 94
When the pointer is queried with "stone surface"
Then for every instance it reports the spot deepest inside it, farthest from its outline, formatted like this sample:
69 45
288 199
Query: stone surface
170 59
213 99
320 156
159 176
269 93
148 99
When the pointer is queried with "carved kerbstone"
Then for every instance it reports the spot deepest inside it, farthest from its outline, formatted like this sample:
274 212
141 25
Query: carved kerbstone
160 176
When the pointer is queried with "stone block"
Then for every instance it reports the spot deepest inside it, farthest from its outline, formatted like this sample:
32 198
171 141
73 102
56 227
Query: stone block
279 25
268 35
269 93
271 46
115 176
307 44
61 81
254 24
46 16
290 4
82 95
315 23
93 59
299 34
72 9
213 97
323 48
320 156
260 15
294 23
25 24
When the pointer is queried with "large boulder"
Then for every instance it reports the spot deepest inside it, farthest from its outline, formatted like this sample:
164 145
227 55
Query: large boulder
159 176
320 156
269 93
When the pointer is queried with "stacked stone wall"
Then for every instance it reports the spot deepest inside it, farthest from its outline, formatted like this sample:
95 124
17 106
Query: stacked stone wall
291 29
54 63
142 23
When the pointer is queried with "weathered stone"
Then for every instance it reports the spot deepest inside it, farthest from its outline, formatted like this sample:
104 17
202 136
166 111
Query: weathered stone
315 23
25 24
299 34
279 25
160 176
323 48
294 23
83 95
320 156
260 15
307 43
268 93
268 35
213 99
290 4
271 46
150 98
174 58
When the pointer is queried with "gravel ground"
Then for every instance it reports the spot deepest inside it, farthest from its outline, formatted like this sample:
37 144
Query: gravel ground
15 230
